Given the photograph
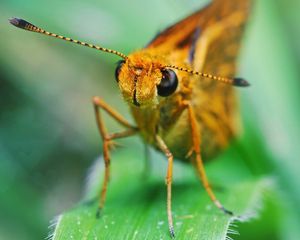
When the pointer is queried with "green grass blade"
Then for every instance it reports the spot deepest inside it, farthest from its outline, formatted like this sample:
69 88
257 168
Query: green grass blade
136 209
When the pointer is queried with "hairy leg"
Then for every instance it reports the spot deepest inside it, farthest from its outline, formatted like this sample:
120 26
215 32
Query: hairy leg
107 138
163 147
198 159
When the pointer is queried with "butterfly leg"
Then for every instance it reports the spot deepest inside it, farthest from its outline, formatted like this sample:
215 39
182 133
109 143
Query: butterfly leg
107 138
163 147
198 159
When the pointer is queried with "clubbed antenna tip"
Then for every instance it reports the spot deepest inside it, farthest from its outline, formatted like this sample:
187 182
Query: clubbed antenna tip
20 23
240 82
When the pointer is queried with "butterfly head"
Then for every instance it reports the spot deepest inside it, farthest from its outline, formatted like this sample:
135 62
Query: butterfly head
143 79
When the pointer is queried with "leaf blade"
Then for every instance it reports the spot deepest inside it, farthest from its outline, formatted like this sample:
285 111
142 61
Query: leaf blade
136 210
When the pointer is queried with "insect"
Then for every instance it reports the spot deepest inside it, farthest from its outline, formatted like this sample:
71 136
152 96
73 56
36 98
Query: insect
179 89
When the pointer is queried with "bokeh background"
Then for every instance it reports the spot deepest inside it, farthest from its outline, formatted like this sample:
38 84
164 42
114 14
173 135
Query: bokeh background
48 136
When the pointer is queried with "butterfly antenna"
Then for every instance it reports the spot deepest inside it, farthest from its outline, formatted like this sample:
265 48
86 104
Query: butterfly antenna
238 82
20 23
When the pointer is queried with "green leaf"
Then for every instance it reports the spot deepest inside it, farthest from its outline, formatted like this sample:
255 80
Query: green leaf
135 208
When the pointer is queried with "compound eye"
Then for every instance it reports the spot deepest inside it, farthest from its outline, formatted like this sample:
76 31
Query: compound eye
168 84
118 69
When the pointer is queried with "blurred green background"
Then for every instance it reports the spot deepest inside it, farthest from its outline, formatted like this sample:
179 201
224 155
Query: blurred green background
48 136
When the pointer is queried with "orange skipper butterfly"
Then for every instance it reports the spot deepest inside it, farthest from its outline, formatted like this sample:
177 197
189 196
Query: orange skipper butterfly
179 89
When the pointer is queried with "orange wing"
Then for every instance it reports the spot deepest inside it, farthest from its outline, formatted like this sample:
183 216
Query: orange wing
180 32
204 35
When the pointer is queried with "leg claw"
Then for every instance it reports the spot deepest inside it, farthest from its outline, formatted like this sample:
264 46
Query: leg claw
171 229
227 211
